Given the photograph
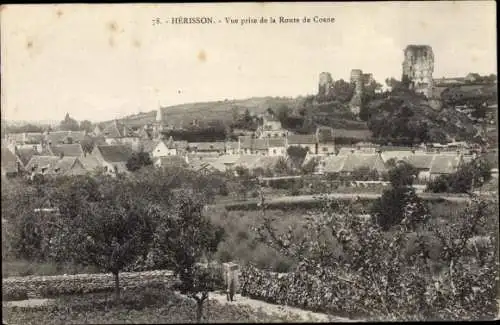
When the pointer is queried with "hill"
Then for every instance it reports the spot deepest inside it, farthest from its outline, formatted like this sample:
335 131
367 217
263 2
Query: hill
209 111
404 117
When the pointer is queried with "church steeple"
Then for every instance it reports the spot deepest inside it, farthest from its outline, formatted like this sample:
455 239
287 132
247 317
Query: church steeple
158 124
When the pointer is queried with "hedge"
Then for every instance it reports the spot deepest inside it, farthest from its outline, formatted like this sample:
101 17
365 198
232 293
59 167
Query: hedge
301 290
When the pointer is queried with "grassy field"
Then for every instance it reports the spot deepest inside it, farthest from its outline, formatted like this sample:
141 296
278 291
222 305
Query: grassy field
142 306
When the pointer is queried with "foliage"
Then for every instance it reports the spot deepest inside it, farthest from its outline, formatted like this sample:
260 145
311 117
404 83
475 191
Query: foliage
69 124
101 226
86 125
151 305
403 174
365 174
310 166
245 122
88 144
25 128
404 117
297 155
469 176
138 160
341 91
400 202
182 239
370 275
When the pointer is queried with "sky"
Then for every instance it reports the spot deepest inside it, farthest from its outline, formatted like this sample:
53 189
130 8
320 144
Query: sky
100 62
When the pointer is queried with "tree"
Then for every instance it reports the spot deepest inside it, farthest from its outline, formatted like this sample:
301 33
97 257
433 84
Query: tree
310 166
343 90
185 238
103 223
362 270
465 179
403 174
69 124
400 202
138 160
86 125
87 144
297 155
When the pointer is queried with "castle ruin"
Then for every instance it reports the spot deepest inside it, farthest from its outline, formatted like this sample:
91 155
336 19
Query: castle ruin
360 81
325 87
418 66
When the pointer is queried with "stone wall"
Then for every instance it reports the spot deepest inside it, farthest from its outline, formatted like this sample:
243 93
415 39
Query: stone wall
19 288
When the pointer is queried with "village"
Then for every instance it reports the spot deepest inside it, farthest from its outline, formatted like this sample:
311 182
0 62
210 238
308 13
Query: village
62 152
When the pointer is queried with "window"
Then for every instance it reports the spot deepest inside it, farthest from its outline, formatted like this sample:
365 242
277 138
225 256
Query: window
274 151
307 148
115 168
105 168
325 149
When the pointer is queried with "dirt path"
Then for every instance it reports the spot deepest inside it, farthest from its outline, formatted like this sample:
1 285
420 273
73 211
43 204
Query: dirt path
271 309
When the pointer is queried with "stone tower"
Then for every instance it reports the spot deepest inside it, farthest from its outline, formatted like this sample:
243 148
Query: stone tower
418 66
357 80
325 84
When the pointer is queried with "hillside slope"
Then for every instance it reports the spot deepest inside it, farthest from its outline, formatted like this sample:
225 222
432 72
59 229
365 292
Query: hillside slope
209 111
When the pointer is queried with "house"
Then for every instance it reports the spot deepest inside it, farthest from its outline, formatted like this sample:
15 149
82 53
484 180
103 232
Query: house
332 164
181 146
356 161
276 146
164 148
68 166
24 155
34 140
113 158
252 146
326 141
444 165
170 161
66 150
147 145
64 137
41 164
119 133
145 133
90 163
307 141
422 162
231 147
271 128
396 153
215 147
53 166
11 165
346 151
246 161
224 163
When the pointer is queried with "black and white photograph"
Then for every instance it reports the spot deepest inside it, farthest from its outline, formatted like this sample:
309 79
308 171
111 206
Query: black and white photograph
249 162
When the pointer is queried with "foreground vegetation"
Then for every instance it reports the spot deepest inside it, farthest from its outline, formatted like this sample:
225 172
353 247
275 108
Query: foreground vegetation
145 306
446 262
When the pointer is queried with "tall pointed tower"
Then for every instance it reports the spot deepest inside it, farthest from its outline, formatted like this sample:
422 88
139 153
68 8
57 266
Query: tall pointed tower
158 124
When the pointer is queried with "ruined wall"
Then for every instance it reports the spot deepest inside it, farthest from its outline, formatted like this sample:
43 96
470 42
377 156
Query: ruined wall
418 66
325 86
